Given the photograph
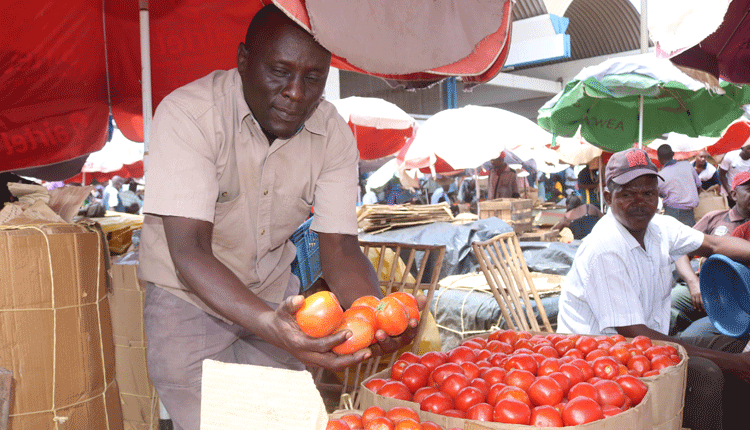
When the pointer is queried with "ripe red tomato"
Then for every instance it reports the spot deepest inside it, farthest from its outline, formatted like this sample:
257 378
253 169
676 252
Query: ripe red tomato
482 342
391 316
320 315
512 411
586 344
610 393
546 416
593 355
433 359
468 397
622 352
415 376
480 412
652 372
641 342
395 390
498 359
508 336
545 391
574 374
483 354
461 354
397 370
519 378
481 385
549 365
454 383
586 368
610 410
548 351
375 384
443 371
523 362
354 421
363 333
511 392
633 387
581 410
423 392
661 361
409 302
436 403
337 425
408 424
606 367
498 346
583 389
380 423
454 413
574 353
399 413
429 425
470 369
655 350
639 364
562 380
370 301
564 345
371 413
493 375
409 356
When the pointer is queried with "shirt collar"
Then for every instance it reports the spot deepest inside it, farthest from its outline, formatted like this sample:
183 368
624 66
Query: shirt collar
315 124
734 215
629 239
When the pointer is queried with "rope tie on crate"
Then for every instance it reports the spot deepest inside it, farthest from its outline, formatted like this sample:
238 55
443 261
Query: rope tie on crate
62 419
450 287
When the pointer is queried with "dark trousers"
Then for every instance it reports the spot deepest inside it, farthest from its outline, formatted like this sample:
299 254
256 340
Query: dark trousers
713 399
685 216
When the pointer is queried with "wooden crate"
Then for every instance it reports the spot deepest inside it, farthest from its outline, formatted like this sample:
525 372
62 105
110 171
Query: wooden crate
539 235
516 212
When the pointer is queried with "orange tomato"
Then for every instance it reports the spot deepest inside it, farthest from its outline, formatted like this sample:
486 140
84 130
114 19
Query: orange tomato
320 315
400 413
361 311
409 302
362 335
391 316
370 301
371 413
408 424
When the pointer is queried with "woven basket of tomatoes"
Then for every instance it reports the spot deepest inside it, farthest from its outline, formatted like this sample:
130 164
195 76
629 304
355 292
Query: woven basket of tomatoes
508 378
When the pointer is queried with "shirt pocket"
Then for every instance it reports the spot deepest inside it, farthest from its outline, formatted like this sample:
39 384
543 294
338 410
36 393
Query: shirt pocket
230 223
288 213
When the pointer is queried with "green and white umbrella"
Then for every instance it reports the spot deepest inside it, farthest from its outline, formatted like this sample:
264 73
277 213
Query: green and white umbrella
607 100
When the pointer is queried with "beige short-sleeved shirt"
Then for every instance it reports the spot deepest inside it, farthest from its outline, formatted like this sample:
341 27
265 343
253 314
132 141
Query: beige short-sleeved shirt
209 160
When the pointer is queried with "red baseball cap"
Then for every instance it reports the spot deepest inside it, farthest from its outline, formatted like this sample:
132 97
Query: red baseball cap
624 166
740 179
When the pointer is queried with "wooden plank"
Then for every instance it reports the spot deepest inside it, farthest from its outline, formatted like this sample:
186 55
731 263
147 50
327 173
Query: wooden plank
6 379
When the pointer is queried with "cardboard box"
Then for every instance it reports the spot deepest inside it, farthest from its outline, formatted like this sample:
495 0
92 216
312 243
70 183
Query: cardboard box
637 418
668 390
56 328
516 212
140 403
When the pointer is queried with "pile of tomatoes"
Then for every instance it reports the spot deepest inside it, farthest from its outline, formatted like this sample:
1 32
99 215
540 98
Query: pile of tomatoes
322 315
551 380
376 418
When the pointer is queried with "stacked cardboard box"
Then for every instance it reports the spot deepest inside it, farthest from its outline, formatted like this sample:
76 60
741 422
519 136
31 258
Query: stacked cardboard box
56 328
140 404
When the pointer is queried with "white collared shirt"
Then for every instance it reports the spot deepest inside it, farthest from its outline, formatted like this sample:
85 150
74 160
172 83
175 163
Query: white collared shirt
614 282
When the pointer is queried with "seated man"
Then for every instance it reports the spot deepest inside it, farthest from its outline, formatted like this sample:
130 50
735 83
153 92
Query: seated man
620 282
687 306
579 218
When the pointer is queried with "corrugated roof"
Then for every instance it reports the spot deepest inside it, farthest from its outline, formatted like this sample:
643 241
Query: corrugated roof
597 27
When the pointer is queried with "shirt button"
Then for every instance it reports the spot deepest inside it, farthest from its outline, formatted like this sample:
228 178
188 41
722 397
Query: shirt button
265 192
262 232
224 194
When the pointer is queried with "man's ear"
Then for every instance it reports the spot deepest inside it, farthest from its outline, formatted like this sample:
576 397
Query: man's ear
607 197
241 57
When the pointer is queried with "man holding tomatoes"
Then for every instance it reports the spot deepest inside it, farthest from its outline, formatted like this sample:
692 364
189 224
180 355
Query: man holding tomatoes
621 278
237 159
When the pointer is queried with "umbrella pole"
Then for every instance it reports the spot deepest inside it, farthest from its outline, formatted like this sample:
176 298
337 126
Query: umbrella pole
640 123
601 186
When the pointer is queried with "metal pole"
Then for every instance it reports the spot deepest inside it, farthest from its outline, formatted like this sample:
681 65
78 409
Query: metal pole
145 74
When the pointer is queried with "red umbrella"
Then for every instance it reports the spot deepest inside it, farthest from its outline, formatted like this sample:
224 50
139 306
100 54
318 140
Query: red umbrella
60 79
380 127
725 52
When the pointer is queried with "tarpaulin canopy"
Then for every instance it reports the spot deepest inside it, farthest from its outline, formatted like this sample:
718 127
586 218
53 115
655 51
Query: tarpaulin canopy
65 64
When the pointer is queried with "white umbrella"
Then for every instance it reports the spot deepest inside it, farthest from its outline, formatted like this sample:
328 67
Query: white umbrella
466 137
